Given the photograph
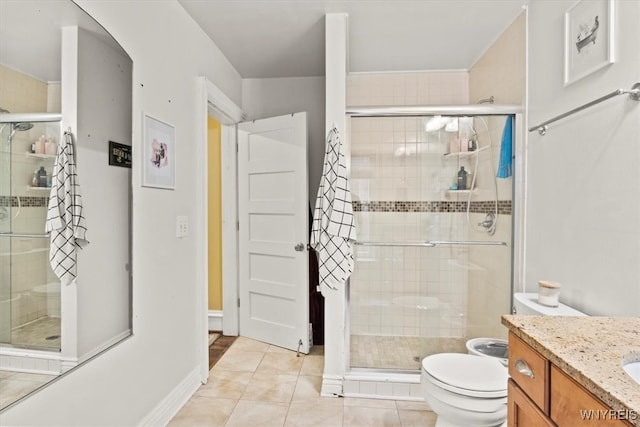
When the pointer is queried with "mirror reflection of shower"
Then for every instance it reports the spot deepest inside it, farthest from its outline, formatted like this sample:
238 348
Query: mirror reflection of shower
29 302
15 127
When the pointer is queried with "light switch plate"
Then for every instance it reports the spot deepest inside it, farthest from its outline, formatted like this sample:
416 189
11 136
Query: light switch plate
182 226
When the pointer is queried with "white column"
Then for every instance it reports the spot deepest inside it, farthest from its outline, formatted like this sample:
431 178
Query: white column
69 109
335 360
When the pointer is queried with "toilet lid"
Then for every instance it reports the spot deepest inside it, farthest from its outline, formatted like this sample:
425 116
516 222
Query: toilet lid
467 371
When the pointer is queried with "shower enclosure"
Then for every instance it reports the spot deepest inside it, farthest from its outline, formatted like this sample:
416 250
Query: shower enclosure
433 261
29 290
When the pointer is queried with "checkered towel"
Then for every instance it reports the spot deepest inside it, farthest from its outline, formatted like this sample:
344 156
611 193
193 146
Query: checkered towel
333 222
65 220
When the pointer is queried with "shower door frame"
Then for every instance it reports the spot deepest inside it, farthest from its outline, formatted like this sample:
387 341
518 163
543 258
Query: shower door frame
368 382
9 350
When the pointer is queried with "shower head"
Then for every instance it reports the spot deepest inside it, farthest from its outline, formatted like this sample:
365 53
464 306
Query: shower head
18 127
15 127
21 127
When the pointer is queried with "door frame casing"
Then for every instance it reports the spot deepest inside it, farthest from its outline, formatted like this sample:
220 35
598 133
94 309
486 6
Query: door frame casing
213 102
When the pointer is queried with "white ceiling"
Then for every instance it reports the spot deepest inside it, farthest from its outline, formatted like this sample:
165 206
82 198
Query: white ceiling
30 35
285 38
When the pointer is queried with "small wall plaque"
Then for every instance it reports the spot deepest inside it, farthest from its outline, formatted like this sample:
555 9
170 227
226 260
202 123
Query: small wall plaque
119 155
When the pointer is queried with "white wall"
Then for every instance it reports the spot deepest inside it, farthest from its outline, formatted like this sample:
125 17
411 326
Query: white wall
273 97
501 73
583 181
103 104
169 51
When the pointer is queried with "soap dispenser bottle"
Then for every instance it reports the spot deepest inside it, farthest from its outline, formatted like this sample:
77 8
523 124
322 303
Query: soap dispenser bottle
42 177
462 179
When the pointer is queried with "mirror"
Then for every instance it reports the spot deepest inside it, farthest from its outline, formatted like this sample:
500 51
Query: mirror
82 97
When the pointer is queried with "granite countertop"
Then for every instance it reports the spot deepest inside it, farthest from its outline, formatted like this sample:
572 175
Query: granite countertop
590 350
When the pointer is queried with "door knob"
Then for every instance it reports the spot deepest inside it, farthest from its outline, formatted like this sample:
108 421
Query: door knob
300 247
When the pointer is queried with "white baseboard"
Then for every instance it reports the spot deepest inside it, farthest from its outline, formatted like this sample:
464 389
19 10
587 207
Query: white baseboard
170 405
215 320
331 386
383 386
103 346
30 361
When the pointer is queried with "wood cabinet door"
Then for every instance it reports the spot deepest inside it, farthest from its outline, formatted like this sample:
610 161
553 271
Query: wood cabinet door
522 412
572 405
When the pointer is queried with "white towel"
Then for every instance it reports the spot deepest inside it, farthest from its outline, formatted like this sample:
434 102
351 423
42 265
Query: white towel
65 220
333 222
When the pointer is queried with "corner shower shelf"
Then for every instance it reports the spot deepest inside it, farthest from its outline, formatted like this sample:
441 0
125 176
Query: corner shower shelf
40 156
452 192
462 154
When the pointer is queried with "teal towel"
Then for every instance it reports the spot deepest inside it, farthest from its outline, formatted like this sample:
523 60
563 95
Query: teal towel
506 150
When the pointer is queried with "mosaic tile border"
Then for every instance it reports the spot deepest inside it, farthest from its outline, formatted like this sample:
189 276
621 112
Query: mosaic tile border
25 201
504 206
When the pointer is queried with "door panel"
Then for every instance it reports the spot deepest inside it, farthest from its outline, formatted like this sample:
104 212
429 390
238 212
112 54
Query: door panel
273 214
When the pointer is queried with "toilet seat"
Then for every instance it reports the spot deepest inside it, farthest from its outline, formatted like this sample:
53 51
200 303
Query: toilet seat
467 374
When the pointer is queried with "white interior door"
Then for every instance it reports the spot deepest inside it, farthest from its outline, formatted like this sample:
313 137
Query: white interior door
273 231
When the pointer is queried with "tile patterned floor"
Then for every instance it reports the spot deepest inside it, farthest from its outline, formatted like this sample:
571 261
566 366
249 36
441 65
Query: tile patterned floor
43 334
396 352
256 384
16 385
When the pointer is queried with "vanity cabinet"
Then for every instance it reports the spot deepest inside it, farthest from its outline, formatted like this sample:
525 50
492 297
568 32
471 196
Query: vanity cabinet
540 394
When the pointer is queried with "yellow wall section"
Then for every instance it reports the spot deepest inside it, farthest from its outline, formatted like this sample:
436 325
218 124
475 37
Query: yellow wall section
215 215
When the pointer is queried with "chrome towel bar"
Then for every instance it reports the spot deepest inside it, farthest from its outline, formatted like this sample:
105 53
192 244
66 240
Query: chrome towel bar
31 236
634 94
396 244
468 242
433 243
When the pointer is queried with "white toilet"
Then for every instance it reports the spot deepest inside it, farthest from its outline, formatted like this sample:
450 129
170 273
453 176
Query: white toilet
468 390
492 347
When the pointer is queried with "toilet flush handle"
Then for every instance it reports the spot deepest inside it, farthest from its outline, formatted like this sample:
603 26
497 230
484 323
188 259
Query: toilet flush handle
523 367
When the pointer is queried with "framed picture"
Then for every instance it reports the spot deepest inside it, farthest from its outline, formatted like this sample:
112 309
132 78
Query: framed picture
159 154
588 38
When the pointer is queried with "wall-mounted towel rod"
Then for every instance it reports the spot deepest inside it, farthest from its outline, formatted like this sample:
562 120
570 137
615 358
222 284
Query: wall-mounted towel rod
433 243
396 244
634 94
31 236
467 243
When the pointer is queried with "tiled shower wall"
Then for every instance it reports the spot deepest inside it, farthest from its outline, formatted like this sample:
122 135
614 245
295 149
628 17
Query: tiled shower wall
24 261
399 182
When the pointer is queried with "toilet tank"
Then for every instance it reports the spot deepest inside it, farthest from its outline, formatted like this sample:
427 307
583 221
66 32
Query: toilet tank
527 303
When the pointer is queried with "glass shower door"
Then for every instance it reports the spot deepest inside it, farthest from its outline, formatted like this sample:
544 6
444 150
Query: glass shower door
29 290
5 242
428 275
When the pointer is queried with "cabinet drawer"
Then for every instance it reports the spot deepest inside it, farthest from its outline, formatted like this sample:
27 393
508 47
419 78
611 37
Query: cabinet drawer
572 405
530 371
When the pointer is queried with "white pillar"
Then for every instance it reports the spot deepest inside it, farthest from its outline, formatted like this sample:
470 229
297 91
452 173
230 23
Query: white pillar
335 360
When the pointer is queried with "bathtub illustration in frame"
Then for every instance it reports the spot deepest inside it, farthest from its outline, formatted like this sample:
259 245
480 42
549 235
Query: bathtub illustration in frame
588 38
158 154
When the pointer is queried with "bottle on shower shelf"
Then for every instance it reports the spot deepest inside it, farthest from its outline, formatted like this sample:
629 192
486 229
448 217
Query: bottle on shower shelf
42 177
462 179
